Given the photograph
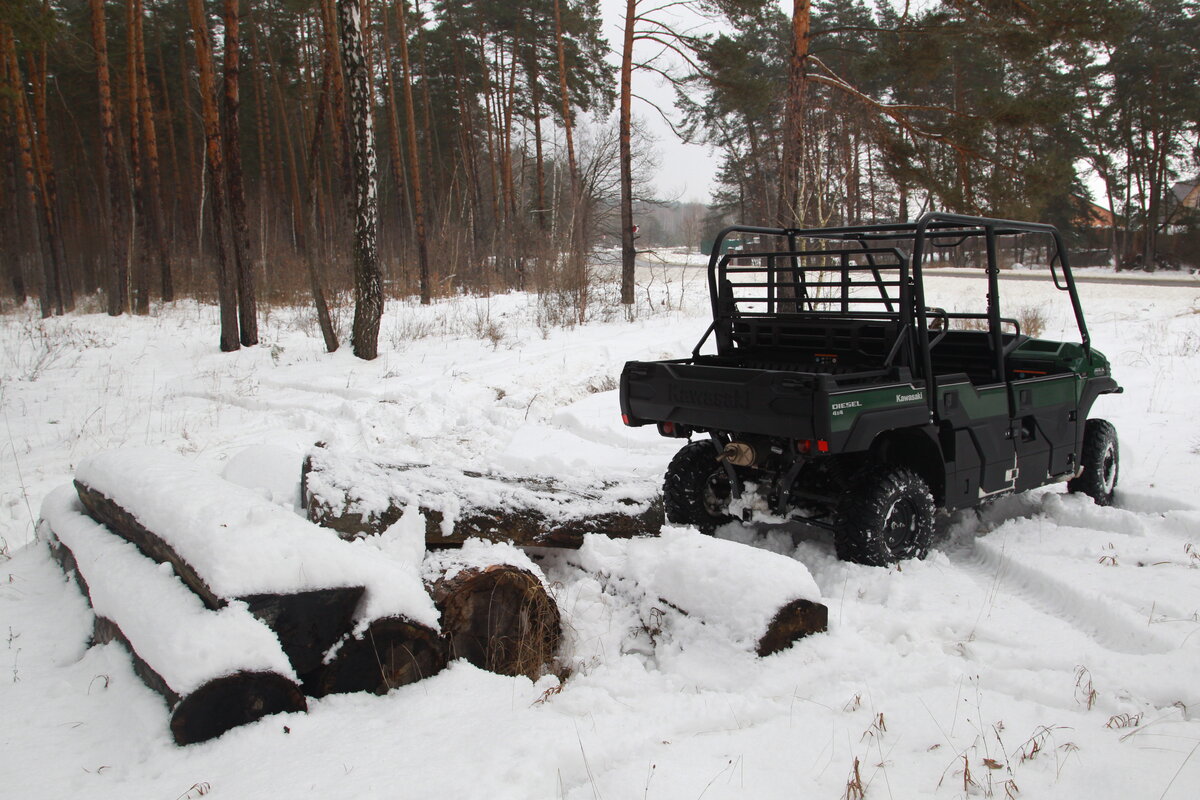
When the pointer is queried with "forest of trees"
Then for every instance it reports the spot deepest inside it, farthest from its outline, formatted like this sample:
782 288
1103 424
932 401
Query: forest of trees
155 149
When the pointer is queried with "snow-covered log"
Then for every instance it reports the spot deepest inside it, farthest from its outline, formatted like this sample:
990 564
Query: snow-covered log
764 600
496 610
230 543
358 497
217 669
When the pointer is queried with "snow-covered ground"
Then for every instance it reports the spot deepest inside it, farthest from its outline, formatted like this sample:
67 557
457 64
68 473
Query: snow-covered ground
1046 648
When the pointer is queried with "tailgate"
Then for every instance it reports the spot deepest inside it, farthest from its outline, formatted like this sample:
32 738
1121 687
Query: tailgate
718 398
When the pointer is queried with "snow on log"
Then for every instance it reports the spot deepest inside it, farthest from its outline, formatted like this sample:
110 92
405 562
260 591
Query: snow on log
217 669
227 542
765 601
496 610
357 497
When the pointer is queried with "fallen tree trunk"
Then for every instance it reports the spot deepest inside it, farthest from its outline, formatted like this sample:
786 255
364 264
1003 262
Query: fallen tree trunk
763 600
357 498
307 622
228 543
215 669
496 611
391 652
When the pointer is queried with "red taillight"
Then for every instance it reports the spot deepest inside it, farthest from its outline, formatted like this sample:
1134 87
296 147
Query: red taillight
668 428
804 446
822 446
625 418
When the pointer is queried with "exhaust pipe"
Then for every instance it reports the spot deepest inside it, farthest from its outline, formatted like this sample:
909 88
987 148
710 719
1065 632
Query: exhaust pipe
739 454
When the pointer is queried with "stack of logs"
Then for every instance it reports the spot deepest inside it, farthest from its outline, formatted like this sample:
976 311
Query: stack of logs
333 633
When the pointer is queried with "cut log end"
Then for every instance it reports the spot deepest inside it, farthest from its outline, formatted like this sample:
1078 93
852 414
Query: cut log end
307 623
499 618
392 652
233 700
794 621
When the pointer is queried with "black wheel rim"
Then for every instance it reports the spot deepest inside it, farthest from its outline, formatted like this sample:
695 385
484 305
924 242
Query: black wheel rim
1108 469
716 494
899 526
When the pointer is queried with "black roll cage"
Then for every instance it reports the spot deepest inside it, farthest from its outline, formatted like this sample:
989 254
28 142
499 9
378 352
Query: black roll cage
933 229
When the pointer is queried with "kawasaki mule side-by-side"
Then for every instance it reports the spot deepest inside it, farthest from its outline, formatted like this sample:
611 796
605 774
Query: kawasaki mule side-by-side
827 389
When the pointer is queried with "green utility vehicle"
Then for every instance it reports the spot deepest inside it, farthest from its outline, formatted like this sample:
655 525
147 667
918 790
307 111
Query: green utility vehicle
827 389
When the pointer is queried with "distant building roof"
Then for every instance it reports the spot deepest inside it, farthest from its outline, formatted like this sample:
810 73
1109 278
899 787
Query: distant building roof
1096 217
1187 193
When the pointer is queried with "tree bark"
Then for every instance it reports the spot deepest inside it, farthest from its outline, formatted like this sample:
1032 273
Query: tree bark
240 228
789 204
63 295
625 122
29 169
533 512
308 235
203 712
414 163
368 289
118 251
139 246
155 221
226 291
577 249
307 623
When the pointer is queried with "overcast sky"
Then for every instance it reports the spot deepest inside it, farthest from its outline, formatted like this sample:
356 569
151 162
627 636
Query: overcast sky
685 172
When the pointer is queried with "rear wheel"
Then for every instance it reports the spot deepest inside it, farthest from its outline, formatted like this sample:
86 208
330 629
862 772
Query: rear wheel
696 490
886 516
1101 463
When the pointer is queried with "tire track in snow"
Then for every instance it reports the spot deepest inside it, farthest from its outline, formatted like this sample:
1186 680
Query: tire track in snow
1106 623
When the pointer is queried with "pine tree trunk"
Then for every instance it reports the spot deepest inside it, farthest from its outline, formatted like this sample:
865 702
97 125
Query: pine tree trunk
226 292
578 246
35 168
286 148
342 147
310 215
788 206
11 228
154 170
118 297
394 151
28 167
414 165
140 251
239 228
64 295
540 168
628 254
368 289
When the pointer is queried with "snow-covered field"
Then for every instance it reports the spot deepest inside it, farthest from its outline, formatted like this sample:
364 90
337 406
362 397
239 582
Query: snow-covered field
1046 648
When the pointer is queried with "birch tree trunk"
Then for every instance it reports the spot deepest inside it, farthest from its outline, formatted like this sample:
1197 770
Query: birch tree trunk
368 289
